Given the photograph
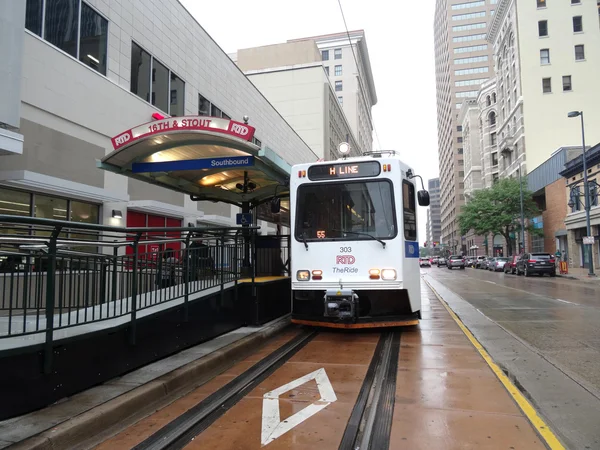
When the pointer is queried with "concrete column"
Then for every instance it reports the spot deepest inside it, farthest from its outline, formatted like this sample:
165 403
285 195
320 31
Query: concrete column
12 24
573 256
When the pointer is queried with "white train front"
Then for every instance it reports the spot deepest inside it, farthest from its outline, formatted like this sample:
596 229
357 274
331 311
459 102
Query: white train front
354 242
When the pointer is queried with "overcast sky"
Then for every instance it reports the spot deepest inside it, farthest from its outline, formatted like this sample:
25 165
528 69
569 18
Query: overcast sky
400 40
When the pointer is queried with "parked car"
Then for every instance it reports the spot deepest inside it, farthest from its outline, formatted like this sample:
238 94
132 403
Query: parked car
539 263
486 264
441 261
456 261
480 261
469 262
424 262
434 260
511 265
497 264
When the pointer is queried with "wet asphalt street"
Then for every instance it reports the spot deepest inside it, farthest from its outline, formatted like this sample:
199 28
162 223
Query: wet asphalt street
555 320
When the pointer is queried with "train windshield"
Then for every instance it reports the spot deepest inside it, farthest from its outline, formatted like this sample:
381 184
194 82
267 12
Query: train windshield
356 210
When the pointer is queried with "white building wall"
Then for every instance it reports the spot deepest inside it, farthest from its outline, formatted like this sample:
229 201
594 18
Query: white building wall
65 100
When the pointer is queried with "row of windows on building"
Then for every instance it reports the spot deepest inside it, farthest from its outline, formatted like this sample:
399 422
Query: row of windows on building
80 31
472 48
471 37
543 30
471 26
567 84
579 54
337 54
337 70
73 26
542 3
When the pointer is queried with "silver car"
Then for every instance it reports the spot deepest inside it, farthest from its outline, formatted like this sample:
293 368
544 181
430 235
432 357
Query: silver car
441 261
497 264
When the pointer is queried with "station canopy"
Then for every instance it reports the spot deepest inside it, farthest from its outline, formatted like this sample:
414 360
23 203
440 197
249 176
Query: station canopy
208 158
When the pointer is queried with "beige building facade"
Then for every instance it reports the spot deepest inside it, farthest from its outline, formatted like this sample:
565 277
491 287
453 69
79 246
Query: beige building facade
292 77
463 61
547 57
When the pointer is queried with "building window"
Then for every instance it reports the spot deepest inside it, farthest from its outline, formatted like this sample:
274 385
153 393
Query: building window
543 28
577 24
338 86
472 26
215 111
575 193
203 106
459 139
461 173
72 26
493 141
473 48
475 82
468 5
471 71
460 151
541 3
567 83
327 70
325 55
470 60
494 97
579 53
338 71
545 56
337 53
341 100
469 16
593 192
471 37
155 83
494 178
546 85
459 128
575 2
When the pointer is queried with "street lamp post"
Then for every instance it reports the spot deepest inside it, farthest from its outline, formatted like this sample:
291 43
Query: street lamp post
522 213
586 192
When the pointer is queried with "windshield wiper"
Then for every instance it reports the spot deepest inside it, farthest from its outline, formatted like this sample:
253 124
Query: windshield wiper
360 233
303 237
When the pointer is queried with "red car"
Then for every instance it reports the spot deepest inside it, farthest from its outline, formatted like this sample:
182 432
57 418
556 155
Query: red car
511 265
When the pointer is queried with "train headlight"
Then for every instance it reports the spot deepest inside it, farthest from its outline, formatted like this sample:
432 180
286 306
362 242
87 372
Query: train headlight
374 274
317 274
388 274
303 275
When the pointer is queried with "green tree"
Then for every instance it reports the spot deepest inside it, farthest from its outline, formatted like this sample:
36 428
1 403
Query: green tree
497 210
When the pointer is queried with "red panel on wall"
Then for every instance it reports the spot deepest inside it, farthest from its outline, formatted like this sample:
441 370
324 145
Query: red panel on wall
175 223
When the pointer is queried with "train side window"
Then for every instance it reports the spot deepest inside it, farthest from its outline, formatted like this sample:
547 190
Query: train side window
409 210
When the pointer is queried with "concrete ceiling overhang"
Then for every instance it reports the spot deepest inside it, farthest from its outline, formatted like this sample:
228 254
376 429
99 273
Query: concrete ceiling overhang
207 158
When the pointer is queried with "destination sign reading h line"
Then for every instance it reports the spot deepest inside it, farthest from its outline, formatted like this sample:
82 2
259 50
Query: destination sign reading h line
193 164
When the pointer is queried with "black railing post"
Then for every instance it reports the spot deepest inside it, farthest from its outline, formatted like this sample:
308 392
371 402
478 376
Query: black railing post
113 286
222 268
253 268
50 299
187 267
134 288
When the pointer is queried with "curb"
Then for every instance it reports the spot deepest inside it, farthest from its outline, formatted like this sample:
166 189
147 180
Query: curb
76 430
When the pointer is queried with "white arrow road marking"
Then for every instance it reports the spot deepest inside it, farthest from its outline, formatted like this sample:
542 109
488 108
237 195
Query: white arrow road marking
273 427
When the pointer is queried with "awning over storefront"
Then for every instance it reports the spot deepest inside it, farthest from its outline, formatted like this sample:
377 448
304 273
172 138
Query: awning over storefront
208 158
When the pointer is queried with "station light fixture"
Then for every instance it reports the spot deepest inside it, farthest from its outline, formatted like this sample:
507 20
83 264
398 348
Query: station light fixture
117 214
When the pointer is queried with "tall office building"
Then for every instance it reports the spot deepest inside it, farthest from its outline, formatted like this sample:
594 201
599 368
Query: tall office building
463 61
434 227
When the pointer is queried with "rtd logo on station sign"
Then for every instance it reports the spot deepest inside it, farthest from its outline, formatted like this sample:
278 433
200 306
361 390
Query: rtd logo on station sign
345 259
186 123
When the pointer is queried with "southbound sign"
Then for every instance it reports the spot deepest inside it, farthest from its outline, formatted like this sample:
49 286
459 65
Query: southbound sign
186 123
193 164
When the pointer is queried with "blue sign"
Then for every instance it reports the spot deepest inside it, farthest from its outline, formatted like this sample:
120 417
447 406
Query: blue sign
411 249
193 164
243 219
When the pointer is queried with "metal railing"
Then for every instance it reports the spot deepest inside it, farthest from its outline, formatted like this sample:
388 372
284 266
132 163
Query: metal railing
56 275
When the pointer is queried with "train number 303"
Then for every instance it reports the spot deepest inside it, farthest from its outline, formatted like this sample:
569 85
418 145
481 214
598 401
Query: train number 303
345 249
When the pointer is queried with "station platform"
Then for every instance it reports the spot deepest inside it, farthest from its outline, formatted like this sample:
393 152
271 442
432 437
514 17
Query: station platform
430 386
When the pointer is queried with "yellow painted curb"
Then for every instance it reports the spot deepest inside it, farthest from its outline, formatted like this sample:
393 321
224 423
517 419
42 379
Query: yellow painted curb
538 423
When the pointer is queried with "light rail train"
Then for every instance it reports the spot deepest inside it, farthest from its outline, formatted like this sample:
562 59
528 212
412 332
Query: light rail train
355 254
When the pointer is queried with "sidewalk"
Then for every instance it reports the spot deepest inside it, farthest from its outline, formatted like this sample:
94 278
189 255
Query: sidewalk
580 274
